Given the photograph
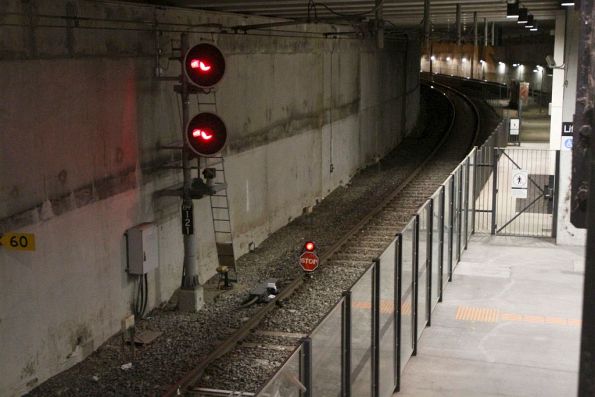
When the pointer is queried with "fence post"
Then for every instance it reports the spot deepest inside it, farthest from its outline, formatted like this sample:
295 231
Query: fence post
415 280
429 258
460 212
346 346
466 206
307 343
451 203
474 192
556 196
376 328
494 187
397 311
441 243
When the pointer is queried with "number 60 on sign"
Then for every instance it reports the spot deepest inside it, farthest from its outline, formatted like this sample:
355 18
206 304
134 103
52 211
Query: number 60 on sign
18 241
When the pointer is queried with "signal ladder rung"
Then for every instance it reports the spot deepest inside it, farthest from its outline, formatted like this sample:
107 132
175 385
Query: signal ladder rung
221 220
221 208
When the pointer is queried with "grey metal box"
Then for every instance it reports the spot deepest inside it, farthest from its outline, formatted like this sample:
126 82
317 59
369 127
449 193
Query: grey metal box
142 247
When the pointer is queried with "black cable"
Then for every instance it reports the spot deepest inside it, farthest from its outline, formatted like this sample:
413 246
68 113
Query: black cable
136 306
313 4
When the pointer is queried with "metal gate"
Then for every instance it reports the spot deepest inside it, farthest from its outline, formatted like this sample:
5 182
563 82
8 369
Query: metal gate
515 191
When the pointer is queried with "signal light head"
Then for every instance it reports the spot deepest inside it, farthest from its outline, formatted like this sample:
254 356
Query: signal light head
204 65
206 134
309 246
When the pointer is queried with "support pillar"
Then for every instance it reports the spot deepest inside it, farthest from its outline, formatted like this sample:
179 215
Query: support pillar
427 32
562 110
473 61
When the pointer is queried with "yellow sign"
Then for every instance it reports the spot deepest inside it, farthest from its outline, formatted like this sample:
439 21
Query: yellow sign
18 241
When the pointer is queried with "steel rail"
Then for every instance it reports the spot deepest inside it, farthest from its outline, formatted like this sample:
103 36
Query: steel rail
189 379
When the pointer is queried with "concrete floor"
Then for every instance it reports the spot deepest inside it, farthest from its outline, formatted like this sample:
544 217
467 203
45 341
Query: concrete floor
509 324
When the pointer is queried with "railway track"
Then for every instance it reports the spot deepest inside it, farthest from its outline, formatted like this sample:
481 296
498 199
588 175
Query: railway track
273 331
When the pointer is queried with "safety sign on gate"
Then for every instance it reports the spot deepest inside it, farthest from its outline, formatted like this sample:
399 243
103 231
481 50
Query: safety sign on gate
514 126
519 183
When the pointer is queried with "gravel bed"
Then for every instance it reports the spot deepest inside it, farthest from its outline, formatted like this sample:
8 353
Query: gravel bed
188 336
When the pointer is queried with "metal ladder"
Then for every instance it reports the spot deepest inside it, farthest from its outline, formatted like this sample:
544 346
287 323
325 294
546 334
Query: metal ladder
221 217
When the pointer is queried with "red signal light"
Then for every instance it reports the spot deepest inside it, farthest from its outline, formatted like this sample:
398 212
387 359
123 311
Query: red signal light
204 65
309 246
200 65
202 134
206 134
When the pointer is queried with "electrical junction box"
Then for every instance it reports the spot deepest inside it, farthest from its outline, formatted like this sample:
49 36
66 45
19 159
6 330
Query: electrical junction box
142 248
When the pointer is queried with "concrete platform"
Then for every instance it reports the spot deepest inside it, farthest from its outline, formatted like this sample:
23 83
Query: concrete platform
509 324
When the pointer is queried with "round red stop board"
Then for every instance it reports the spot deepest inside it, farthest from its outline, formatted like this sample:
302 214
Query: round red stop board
309 261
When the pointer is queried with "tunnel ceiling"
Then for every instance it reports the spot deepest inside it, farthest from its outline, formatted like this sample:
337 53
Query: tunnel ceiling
399 12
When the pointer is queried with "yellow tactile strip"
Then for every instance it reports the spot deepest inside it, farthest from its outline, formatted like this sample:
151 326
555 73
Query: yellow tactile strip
479 314
386 306
491 315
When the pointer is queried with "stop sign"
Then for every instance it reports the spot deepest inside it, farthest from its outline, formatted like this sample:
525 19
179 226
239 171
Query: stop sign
309 261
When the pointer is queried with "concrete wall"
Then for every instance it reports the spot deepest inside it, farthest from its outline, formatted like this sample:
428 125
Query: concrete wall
81 118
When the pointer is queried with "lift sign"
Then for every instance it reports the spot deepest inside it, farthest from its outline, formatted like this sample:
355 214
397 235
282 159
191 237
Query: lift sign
18 241
309 261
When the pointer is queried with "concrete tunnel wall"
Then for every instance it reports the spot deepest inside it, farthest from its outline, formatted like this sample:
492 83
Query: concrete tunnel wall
81 117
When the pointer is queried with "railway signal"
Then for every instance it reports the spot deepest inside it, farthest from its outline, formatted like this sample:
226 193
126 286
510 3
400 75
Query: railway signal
206 134
309 261
204 65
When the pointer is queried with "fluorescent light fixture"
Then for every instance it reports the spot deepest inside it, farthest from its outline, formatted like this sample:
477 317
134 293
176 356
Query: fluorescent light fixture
536 71
482 61
514 65
501 64
523 15
433 58
567 3
534 29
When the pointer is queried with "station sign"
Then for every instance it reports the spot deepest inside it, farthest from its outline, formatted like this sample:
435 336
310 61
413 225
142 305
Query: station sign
18 241
567 129
309 261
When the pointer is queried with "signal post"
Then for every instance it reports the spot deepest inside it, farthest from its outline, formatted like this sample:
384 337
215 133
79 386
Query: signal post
202 66
189 298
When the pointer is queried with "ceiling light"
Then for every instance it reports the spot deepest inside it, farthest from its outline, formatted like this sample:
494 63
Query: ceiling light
523 15
512 10
566 3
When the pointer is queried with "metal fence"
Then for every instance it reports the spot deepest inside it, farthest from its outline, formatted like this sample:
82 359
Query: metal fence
383 315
